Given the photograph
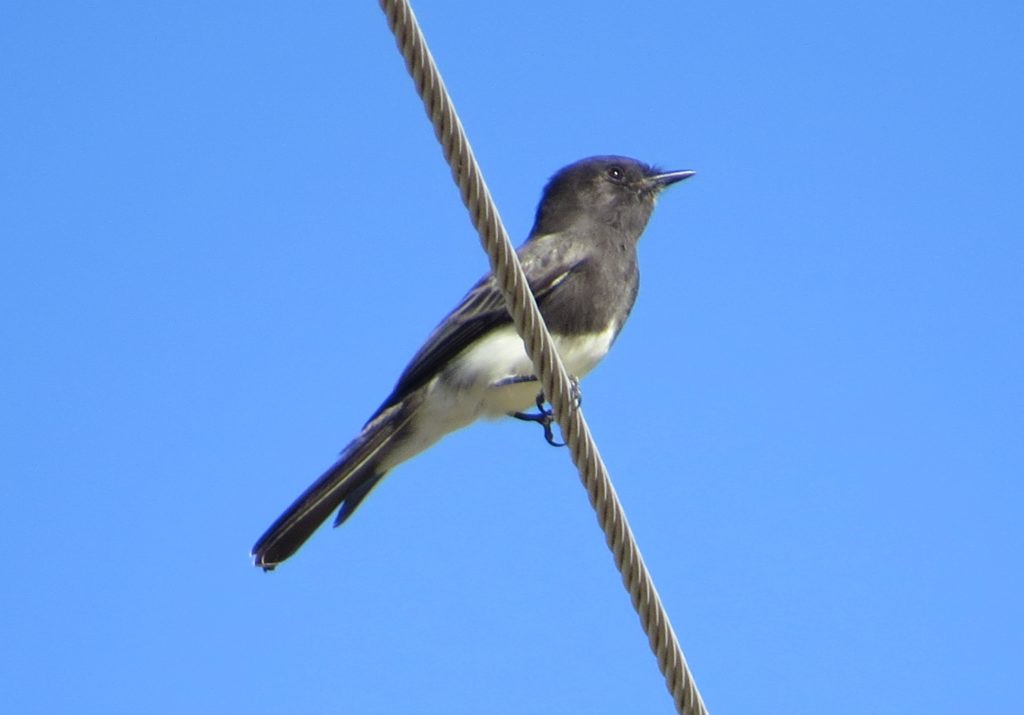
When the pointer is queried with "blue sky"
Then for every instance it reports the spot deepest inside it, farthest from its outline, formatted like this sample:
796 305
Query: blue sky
227 227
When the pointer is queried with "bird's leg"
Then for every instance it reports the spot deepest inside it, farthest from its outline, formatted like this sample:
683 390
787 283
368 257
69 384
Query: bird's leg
544 416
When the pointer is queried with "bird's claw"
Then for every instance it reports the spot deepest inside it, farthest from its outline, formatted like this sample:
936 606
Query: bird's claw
545 417
576 391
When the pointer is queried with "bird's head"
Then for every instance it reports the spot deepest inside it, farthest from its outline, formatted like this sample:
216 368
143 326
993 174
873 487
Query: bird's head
611 190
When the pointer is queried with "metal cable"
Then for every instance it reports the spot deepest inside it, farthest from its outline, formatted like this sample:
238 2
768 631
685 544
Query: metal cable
555 381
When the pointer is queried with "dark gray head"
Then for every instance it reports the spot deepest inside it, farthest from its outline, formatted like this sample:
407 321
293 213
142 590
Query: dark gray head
613 191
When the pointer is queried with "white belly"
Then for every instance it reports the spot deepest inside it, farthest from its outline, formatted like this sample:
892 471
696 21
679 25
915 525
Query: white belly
480 384
489 368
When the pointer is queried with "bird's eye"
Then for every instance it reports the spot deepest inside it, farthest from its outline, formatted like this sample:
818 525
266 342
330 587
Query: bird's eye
615 173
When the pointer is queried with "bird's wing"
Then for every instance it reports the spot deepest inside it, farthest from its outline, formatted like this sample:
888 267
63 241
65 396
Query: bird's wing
482 310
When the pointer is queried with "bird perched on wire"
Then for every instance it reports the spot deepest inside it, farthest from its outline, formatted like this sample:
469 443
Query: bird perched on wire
580 261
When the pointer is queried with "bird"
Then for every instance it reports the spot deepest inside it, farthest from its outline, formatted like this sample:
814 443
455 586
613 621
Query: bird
580 260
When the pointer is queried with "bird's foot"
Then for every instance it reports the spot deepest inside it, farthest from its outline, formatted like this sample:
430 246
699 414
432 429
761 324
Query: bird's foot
544 417
576 391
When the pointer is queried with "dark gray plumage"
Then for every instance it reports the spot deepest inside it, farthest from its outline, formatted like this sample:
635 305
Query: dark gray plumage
581 263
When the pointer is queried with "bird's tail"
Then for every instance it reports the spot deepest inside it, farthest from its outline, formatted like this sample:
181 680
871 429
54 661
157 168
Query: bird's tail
345 484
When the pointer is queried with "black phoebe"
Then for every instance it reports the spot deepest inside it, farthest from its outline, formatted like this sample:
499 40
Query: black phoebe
580 260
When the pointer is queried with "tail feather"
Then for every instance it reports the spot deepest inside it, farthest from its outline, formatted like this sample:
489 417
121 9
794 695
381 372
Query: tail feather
355 498
345 484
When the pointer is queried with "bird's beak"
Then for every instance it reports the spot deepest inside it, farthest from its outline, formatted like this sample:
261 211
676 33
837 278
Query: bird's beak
660 181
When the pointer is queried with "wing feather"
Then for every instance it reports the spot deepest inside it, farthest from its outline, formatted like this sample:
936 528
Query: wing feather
480 311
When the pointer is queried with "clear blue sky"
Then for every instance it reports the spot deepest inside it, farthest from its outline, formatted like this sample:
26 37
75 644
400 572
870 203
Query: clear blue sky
226 227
